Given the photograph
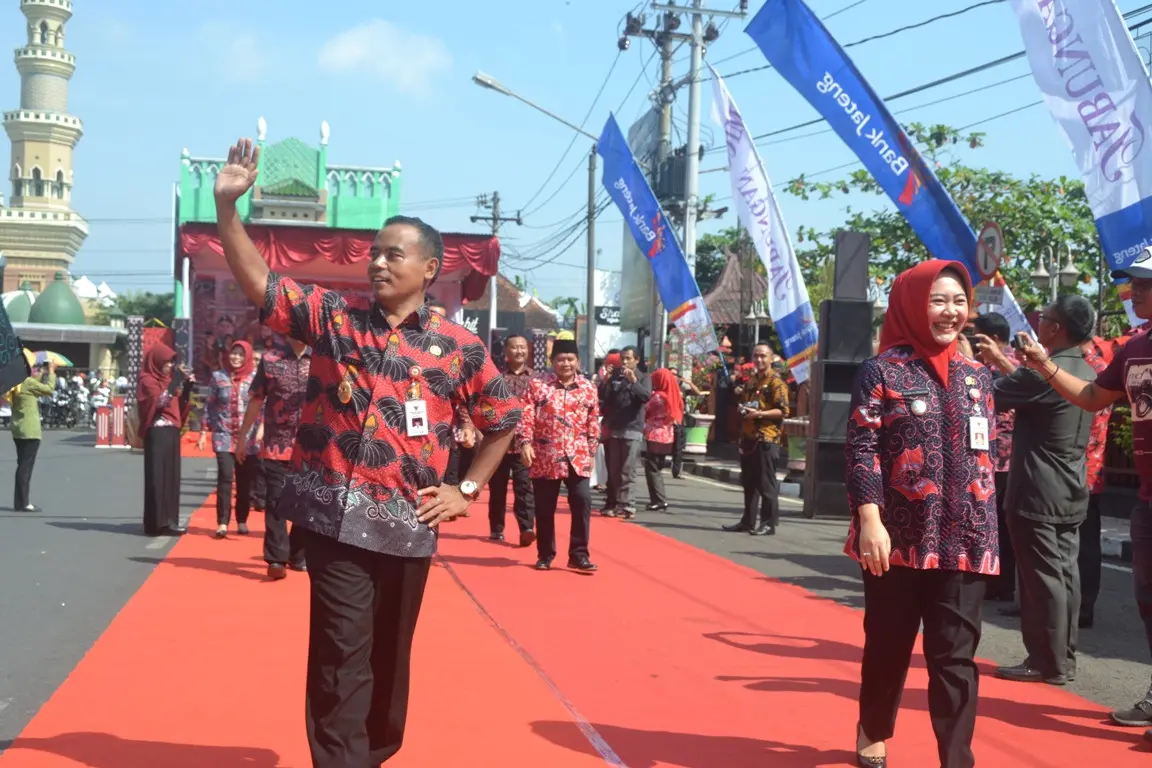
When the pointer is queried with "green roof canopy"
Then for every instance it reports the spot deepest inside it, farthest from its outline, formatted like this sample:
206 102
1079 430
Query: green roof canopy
58 305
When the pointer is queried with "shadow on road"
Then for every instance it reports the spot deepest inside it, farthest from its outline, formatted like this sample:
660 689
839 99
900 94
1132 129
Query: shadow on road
104 750
250 571
647 749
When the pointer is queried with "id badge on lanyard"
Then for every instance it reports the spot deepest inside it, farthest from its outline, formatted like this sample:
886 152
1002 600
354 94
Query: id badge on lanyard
415 408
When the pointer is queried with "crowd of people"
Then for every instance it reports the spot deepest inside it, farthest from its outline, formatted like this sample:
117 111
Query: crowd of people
973 460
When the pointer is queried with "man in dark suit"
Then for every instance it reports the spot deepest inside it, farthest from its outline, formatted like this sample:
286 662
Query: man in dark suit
1047 495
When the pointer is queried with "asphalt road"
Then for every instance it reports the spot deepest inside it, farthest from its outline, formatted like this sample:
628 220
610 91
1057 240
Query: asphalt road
67 571
1113 668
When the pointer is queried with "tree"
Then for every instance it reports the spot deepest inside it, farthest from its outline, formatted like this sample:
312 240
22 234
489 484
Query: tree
150 306
570 307
1035 214
710 258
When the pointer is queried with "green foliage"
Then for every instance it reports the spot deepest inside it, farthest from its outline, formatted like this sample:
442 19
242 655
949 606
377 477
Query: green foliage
1034 214
570 307
150 306
1120 429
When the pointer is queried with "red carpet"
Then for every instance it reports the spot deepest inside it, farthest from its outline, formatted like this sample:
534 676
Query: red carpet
668 656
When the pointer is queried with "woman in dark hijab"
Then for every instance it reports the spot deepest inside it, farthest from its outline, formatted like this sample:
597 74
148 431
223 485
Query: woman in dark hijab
163 400
922 493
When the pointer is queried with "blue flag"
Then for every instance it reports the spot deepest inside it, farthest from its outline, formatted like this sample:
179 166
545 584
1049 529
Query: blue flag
653 233
800 48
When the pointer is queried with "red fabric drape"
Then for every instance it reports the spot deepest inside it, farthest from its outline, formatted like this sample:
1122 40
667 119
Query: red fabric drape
287 247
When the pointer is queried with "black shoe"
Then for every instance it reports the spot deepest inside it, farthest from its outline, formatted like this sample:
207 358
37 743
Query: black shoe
764 530
298 567
175 530
868 762
496 537
1023 673
581 564
30 508
543 565
1087 620
657 507
736 528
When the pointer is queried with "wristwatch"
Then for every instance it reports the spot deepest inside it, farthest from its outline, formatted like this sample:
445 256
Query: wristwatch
469 490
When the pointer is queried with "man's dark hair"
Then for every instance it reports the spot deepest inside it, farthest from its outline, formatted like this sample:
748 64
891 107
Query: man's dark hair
993 325
614 351
511 336
631 349
1077 316
430 239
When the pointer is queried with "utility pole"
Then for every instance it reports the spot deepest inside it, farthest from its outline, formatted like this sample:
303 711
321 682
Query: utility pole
664 36
495 219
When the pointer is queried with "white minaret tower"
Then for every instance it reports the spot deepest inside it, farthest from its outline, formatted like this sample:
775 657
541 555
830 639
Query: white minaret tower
39 232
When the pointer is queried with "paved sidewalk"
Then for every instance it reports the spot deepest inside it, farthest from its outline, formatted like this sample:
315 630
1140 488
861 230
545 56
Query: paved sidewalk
1114 538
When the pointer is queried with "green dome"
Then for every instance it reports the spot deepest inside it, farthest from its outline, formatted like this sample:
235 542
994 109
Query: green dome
58 305
19 307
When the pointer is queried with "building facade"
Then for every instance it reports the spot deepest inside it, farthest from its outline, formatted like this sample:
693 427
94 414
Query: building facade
295 186
39 232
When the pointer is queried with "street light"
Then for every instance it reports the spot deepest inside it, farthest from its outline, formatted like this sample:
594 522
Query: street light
1067 275
485 80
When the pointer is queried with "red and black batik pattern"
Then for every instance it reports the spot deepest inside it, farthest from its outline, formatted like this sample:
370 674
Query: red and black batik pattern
563 425
908 452
356 470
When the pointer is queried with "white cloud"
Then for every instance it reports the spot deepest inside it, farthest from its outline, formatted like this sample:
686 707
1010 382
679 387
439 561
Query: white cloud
236 52
408 61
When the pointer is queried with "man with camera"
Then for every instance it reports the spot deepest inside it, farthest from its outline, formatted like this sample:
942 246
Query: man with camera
624 394
1130 372
1046 500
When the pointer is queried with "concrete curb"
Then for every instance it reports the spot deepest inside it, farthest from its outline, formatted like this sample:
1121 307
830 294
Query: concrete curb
1118 547
1114 546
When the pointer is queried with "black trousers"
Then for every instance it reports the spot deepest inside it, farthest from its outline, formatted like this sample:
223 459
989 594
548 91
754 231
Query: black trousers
547 491
280 547
761 487
679 440
161 479
247 475
1004 585
948 603
1091 559
364 608
26 451
1049 592
523 499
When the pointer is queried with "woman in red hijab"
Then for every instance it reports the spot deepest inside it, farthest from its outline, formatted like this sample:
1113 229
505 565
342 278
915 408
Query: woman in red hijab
162 401
237 456
663 411
920 481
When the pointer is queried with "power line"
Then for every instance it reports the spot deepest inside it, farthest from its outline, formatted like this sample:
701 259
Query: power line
944 81
832 15
575 136
872 38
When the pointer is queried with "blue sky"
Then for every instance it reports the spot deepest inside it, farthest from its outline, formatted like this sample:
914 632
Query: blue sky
394 82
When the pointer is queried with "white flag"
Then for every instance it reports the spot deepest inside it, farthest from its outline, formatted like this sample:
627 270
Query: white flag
758 211
1096 86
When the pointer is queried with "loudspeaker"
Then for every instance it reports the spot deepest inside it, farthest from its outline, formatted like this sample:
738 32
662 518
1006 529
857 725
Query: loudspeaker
845 330
851 275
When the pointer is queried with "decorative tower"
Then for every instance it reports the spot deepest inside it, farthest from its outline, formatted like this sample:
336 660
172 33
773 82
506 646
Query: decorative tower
39 232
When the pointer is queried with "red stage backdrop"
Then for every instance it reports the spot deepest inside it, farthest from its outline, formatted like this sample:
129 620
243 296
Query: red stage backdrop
287 247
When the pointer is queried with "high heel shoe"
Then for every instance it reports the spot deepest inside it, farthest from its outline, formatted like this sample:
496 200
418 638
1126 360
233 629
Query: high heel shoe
863 761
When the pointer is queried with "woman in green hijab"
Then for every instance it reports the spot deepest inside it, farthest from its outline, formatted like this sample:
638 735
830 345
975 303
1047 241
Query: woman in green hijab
25 402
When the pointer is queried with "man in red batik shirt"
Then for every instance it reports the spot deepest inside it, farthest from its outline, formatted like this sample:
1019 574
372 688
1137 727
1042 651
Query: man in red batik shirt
518 376
386 378
558 437
278 391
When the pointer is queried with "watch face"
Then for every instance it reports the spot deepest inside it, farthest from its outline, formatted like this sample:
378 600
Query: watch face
467 487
